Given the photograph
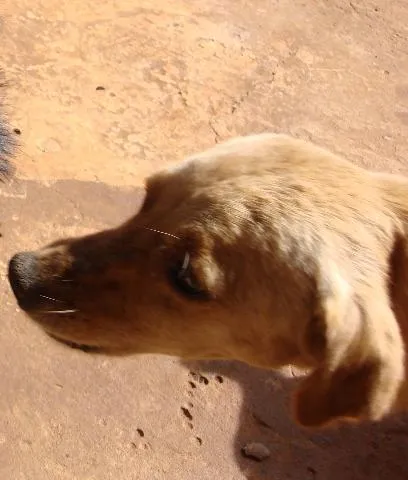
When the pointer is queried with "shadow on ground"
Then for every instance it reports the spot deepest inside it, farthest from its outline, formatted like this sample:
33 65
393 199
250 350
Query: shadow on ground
371 451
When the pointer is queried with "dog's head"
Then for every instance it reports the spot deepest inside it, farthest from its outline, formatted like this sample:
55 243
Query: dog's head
193 274
222 261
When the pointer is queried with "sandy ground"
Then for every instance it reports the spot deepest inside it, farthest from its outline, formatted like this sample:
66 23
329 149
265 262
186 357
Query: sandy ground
174 77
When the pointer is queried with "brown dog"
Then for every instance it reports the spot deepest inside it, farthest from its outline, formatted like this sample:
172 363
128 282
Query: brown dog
264 249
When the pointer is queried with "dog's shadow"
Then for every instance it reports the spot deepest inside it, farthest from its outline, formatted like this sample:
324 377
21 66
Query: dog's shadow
370 451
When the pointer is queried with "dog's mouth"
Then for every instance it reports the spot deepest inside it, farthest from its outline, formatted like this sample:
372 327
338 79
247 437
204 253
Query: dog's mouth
77 346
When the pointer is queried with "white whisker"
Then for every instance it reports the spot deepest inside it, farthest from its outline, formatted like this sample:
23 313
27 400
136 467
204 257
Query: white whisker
60 311
163 233
50 298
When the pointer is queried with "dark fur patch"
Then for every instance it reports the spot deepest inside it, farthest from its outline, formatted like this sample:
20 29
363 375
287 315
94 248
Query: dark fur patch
7 143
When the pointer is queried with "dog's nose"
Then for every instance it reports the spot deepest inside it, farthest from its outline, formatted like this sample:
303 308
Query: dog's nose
23 276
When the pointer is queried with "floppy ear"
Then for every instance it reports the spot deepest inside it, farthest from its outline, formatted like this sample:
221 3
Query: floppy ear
360 356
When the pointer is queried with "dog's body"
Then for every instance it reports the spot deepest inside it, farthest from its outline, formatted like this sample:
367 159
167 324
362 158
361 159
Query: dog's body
264 249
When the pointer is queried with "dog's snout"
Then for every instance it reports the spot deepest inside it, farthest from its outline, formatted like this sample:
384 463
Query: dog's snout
23 275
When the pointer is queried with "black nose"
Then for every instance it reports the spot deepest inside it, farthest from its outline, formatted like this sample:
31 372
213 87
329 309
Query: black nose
23 274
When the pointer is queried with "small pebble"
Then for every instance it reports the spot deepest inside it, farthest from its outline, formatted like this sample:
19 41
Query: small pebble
100 88
256 451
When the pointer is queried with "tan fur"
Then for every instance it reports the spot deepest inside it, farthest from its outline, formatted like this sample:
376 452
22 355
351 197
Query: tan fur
302 257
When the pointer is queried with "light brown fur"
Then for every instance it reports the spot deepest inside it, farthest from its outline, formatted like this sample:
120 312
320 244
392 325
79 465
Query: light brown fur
301 257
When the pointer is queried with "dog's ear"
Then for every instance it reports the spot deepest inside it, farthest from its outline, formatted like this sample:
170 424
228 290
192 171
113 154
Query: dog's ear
359 354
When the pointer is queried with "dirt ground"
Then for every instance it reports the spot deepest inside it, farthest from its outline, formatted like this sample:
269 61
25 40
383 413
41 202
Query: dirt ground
106 92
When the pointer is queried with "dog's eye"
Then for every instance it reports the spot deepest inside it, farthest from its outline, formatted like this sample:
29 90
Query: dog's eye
184 280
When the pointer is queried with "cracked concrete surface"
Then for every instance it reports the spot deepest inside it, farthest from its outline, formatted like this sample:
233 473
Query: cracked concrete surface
106 92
